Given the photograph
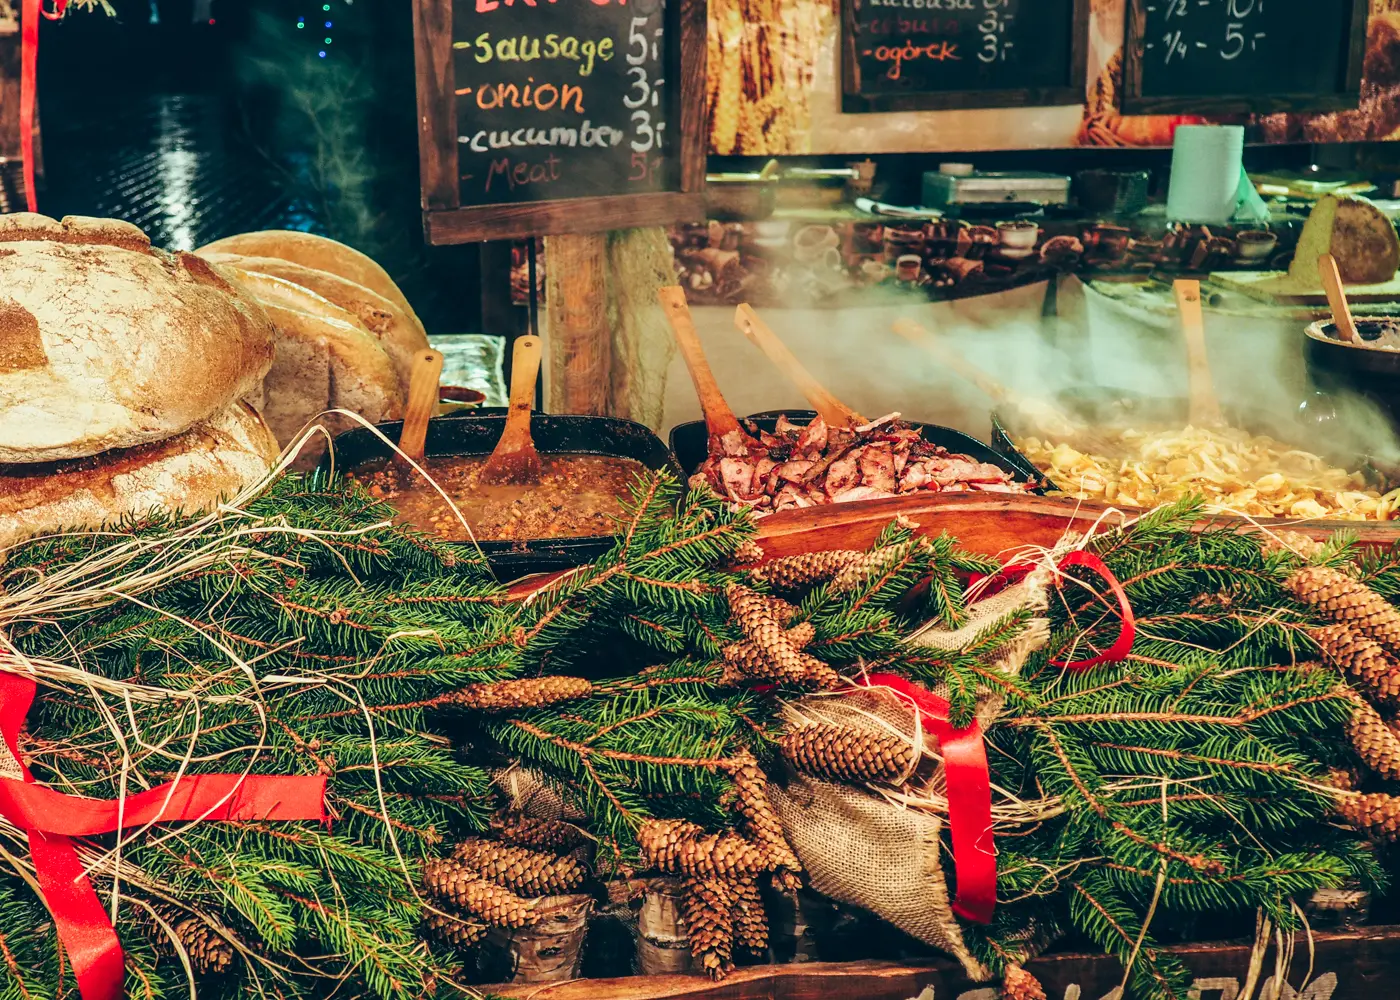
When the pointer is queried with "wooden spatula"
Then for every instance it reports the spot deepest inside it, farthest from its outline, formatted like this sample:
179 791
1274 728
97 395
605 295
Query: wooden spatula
832 411
421 405
515 461
1337 299
726 435
1204 405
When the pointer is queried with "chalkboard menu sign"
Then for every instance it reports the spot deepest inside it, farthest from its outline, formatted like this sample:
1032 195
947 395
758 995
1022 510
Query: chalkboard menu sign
542 117
1240 56
913 55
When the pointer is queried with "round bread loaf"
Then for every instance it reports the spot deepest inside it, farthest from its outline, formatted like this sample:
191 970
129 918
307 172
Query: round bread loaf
108 343
401 337
319 253
191 472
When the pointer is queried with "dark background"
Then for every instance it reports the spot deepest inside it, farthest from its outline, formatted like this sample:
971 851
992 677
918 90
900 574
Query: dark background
198 129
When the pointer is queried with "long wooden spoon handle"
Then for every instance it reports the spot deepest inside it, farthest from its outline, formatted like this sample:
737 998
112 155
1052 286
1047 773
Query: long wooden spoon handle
834 412
719 418
916 334
1337 299
421 404
1204 406
524 370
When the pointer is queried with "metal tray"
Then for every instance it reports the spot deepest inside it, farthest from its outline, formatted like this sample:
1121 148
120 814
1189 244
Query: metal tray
477 432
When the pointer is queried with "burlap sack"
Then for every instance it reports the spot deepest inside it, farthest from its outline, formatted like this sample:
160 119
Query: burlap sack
880 848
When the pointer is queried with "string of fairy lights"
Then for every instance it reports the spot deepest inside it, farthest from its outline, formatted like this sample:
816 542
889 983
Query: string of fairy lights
328 24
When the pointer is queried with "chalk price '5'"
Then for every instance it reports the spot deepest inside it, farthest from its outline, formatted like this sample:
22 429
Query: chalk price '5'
643 95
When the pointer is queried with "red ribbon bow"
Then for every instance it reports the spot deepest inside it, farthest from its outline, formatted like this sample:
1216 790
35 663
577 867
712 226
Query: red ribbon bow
969 796
1127 631
28 78
51 818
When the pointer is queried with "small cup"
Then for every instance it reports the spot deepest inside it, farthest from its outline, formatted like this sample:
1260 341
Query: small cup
1254 244
1018 238
908 267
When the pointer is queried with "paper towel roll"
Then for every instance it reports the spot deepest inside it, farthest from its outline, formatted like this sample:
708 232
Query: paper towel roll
1207 173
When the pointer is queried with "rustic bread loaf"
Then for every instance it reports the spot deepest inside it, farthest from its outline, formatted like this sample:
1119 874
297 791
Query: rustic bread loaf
190 472
326 363
401 337
319 253
108 343
1356 233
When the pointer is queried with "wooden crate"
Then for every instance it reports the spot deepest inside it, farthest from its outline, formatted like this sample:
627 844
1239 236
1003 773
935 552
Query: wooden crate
1351 965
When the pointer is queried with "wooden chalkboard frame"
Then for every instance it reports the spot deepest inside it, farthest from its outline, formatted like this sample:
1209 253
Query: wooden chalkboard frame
446 221
855 102
1134 102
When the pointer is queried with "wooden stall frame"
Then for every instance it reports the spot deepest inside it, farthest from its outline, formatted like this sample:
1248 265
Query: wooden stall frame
1135 103
854 102
446 221
1359 964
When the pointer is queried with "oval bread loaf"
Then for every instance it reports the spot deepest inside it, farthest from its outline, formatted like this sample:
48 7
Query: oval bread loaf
215 459
1354 231
401 337
326 363
319 253
108 343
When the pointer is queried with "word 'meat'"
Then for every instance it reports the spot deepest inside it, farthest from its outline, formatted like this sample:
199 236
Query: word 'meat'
486 6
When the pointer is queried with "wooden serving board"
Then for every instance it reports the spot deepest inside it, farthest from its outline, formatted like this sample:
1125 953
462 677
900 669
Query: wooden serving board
1275 287
1352 965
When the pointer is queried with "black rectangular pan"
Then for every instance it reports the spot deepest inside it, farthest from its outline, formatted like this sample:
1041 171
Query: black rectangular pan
690 443
477 432
1103 407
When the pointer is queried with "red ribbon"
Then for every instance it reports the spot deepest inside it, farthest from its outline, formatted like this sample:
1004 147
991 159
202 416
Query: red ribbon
28 79
1127 631
51 818
969 796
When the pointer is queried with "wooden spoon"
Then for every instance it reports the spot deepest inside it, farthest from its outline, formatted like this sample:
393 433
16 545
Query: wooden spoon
421 405
515 461
833 412
1048 419
1337 299
726 435
1204 405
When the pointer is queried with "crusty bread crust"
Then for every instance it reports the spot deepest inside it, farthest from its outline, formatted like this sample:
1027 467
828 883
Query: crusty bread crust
326 363
107 343
401 337
319 253
190 472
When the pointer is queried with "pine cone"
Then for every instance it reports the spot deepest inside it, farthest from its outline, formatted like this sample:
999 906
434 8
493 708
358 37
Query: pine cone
1348 650
707 905
1377 813
455 931
800 636
760 820
783 613
749 552
1349 601
1375 742
847 754
525 872
532 692
857 571
803 570
1018 984
1300 545
210 952
750 918
744 661
455 883
678 847
541 834
750 609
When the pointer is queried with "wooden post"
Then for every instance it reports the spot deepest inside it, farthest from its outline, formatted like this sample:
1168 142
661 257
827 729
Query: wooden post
549 951
576 307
